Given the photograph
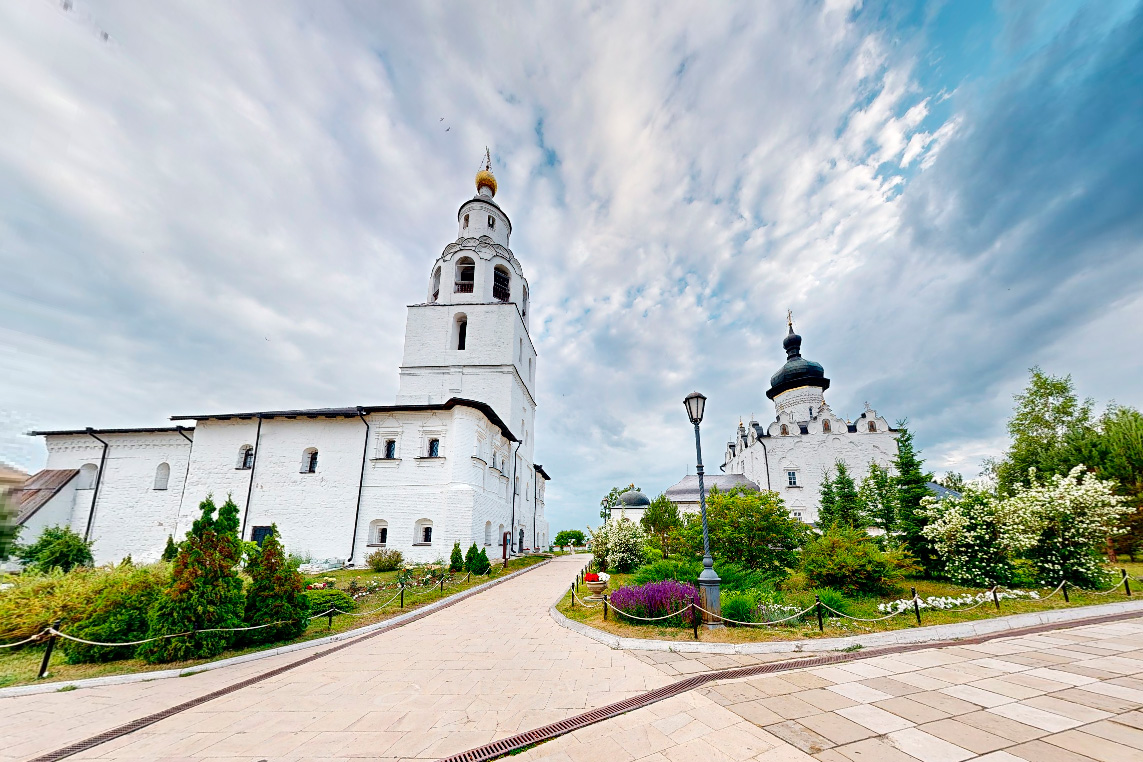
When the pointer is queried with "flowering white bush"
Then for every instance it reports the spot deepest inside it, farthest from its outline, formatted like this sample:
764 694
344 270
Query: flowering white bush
618 545
1070 519
944 602
1060 524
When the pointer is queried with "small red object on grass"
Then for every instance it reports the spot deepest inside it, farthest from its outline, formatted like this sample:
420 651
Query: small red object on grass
591 577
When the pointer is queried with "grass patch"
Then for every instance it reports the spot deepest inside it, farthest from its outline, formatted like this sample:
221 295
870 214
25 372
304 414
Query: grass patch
67 688
859 607
19 666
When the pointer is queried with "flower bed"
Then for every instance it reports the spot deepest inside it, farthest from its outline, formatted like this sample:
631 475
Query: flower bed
655 599
946 602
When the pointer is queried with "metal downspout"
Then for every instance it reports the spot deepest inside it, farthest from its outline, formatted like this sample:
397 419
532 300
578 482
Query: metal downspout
766 454
535 506
98 482
253 466
512 486
360 486
183 494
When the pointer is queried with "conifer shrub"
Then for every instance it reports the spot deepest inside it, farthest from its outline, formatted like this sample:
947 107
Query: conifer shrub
57 547
480 563
384 560
275 595
322 600
171 551
847 559
456 561
118 612
205 591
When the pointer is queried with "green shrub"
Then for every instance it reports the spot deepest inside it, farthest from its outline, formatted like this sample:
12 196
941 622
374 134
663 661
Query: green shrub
835 599
572 537
456 561
740 606
117 613
275 595
470 557
847 559
56 547
480 563
171 551
323 600
385 560
733 576
205 591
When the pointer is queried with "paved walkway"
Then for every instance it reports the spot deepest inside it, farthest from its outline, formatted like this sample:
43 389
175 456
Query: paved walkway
496 664
1070 695
485 668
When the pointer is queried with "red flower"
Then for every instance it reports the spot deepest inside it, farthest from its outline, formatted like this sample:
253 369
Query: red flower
591 577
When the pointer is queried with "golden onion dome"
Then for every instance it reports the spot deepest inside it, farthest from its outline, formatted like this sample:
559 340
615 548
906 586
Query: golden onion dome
485 179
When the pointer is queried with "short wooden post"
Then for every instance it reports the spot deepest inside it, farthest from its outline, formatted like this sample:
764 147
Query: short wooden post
1065 586
48 652
694 619
573 595
442 584
402 596
818 606
1126 582
916 606
329 615
605 607
995 597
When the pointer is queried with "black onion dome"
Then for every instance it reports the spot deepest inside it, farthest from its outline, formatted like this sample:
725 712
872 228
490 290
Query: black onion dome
797 371
634 499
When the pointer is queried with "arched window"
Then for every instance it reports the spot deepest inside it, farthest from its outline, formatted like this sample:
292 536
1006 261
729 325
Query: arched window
491 222
162 476
501 284
500 536
524 302
825 426
461 332
86 478
487 532
423 532
309 461
466 222
436 284
245 457
465 275
378 532
434 448
785 430
521 351
873 426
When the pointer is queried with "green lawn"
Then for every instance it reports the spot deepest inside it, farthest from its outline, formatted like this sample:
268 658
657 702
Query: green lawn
19 666
837 627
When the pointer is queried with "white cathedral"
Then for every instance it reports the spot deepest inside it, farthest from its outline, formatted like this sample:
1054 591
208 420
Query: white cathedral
793 454
451 461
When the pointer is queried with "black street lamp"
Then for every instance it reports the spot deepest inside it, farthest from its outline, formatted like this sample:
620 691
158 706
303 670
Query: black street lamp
708 580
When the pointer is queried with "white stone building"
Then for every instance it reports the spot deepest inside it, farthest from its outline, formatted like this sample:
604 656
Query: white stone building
792 455
451 461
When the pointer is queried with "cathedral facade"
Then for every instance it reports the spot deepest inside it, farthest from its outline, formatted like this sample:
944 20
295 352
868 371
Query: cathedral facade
450 461
794 453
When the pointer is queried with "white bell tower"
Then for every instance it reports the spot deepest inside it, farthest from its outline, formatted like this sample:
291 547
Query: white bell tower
470 339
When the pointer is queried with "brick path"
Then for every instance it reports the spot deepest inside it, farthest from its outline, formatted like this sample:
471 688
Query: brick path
496 664
1067 696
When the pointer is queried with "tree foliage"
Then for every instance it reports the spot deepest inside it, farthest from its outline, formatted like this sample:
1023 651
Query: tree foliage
660 519
572 537
840 503
747 527
912 489
456 560
117 612
171 550
878 496
205 591
977 538
56 547
276 594
9 529
618 545
846 558
953 480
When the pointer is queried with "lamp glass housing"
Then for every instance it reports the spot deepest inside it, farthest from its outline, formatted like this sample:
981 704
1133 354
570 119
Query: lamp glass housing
695 404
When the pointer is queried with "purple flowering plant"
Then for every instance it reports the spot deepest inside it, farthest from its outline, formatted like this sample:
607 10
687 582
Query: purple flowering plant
656 599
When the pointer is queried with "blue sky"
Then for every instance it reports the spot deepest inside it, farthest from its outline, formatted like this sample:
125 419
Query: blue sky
219 206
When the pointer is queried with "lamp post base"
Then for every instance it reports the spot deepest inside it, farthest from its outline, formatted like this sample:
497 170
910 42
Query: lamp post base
708 584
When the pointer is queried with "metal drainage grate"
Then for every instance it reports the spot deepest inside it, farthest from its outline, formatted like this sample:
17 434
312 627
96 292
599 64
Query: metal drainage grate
522 741
150 719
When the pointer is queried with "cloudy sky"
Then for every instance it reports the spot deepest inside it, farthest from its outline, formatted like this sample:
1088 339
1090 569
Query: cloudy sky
223 206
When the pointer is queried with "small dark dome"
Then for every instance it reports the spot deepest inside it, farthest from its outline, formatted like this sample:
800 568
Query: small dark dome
797 371
634 499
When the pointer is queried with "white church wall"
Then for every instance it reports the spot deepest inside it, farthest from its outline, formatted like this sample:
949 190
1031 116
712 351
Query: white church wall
215 467
56 512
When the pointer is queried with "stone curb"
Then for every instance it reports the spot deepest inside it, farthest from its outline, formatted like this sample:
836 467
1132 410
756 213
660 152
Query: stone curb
871 640
143 677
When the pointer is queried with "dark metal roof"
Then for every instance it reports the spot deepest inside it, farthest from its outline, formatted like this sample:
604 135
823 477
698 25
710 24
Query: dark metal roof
797 371
34 493
352 412
151 430
634 499
540 470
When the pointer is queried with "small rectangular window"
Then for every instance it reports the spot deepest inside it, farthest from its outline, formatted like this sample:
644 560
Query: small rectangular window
382 535
792 478
428 535
259 534
390 448
434 448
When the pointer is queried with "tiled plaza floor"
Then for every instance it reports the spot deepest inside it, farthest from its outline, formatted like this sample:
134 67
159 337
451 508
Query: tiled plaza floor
1067 696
